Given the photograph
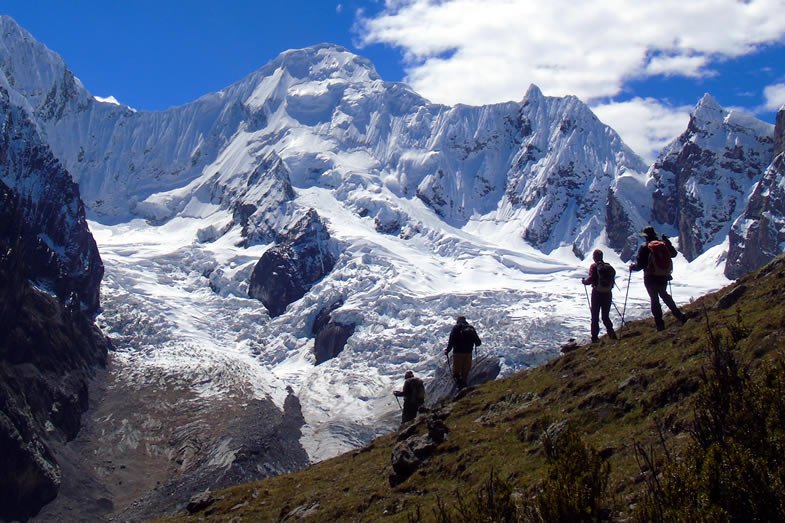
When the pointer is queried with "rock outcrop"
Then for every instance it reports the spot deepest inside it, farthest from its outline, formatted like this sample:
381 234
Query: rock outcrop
50 274
286 271
331 336
484 368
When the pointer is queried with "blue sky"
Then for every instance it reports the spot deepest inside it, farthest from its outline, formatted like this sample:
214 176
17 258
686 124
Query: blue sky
641 65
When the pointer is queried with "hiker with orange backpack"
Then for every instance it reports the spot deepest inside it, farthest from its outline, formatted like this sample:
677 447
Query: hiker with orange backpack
602 277
655 260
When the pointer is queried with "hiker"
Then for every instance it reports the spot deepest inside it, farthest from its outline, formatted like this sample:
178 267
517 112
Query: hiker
413 394
654 259
602 277
463 339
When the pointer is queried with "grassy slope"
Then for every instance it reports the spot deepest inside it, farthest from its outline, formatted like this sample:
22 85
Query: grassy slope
612 392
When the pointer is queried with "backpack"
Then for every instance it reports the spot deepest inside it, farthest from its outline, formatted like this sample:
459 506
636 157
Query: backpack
660 263
606 277
419 391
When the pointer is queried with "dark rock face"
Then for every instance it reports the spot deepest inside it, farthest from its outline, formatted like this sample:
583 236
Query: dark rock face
702 178
323 317
266 195
285 272
331 340
331 336
413 450
756 235
60 253
622 236
779 133
49 346
485 368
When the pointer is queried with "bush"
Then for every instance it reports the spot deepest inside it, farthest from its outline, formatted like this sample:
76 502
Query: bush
573 489
734 466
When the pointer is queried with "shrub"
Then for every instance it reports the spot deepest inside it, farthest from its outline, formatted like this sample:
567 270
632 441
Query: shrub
734 467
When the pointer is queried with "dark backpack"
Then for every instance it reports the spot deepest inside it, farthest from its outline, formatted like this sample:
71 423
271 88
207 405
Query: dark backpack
419 391
660 263
606 277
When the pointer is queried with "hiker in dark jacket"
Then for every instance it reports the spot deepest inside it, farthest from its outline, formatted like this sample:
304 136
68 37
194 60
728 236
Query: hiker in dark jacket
463 339
656 280
413 394
601 297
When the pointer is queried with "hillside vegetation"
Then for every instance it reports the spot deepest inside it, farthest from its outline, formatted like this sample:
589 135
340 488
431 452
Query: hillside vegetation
670 425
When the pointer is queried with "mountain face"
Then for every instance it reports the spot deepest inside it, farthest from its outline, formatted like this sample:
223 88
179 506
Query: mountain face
50 273
702 179
322 117
758 234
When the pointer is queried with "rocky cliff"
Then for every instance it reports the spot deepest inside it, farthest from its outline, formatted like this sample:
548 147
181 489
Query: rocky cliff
758 235
50 274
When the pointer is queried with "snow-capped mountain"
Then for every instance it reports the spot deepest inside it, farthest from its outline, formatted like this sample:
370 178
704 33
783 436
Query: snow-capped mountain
545 163
758 234
364 219
703 178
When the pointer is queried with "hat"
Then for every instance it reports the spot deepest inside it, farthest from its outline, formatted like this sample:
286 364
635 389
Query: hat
648 232
409 374
461 319
596 255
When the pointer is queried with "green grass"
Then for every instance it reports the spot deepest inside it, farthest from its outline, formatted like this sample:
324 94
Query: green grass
612 395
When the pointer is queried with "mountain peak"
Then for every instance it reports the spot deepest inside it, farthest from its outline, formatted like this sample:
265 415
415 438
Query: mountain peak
533 93
708 103
325 60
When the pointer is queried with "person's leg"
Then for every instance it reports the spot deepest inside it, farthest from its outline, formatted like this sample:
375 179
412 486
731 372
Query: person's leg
409 412
595 316
652 287
605 307
668 300
463 362
466 365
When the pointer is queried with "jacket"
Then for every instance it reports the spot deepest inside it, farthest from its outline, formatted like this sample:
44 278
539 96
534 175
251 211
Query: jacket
463 338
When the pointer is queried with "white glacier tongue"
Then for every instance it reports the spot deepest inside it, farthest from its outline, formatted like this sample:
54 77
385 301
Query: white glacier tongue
168 324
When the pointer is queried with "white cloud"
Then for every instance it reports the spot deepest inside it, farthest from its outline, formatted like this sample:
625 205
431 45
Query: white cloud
339 8
485 51
645 124
679 65
775 96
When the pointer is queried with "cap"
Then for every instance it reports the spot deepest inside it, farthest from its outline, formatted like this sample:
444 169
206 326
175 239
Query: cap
409 374
648 232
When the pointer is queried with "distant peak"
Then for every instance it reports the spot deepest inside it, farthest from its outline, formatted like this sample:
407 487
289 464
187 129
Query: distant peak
325 59
533 93
709 102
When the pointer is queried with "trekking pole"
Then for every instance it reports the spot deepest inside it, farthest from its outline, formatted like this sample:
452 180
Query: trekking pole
624 309
586 292
615 307
449 370
398 401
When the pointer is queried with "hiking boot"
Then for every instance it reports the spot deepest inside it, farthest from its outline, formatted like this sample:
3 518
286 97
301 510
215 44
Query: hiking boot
682 318
612 335
595 340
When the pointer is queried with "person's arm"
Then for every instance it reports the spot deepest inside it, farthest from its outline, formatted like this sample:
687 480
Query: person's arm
642 259
450 341
589 280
